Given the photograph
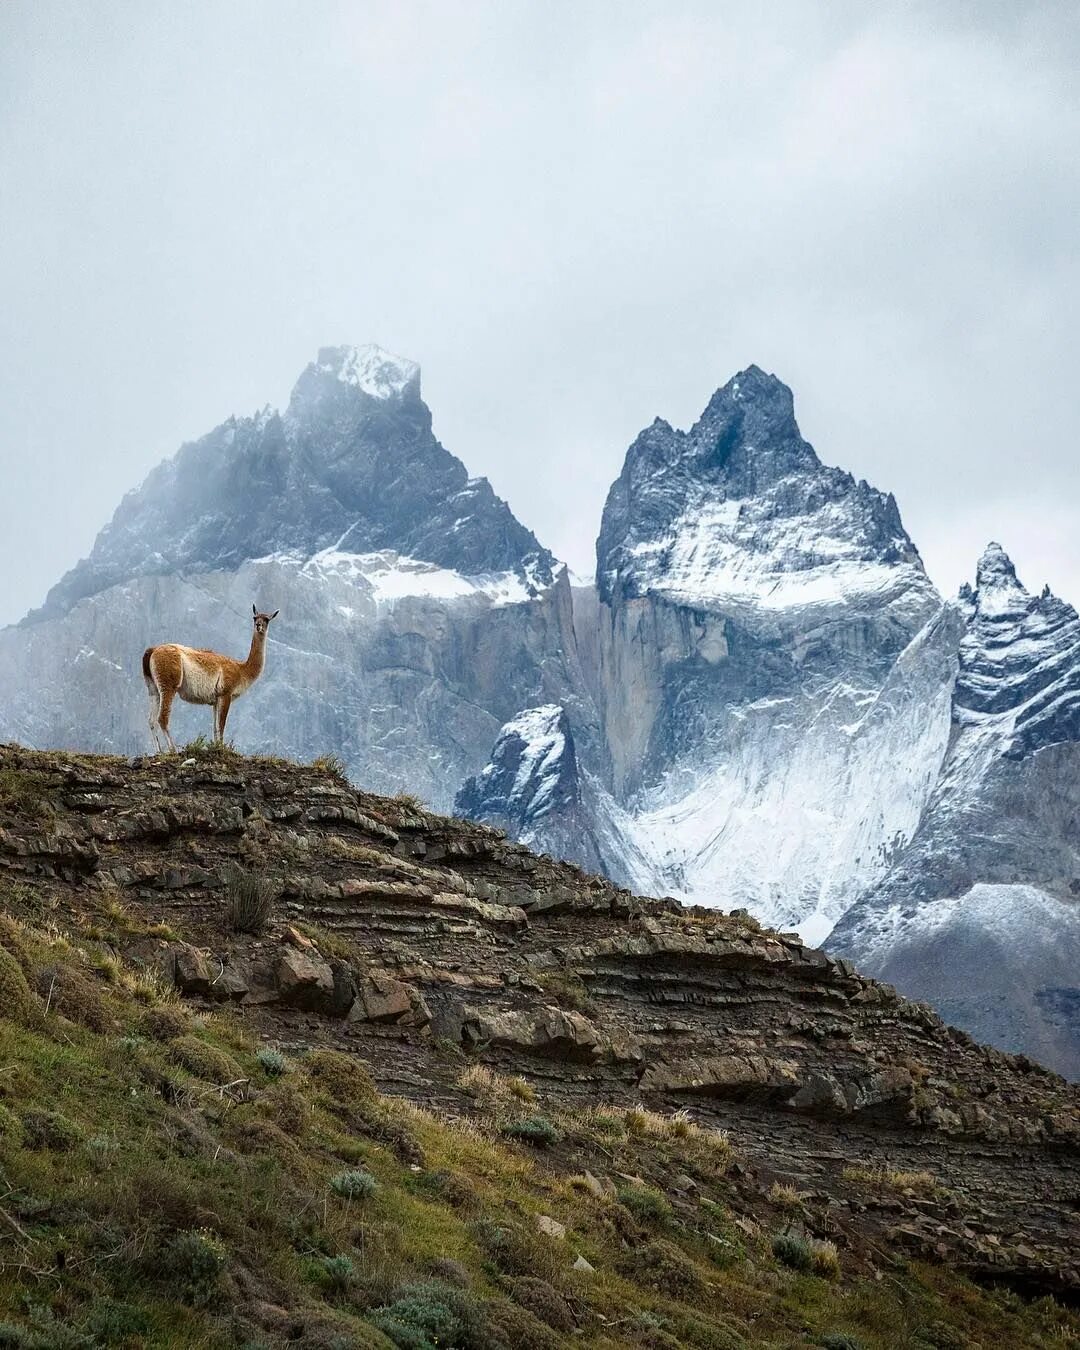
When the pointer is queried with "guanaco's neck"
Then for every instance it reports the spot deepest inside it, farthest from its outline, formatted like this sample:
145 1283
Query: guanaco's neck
256 656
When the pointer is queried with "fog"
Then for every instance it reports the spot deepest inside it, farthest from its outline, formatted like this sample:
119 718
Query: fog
575 217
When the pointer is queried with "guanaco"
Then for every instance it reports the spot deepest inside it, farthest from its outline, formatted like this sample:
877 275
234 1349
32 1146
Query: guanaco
200 677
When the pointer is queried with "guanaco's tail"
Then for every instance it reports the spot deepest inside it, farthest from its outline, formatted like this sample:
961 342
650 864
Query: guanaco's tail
146 663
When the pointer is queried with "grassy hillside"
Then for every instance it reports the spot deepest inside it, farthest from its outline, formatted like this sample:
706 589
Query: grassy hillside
170 1177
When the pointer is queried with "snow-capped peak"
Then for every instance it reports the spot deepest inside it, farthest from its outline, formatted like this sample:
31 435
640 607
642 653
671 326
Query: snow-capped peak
372 370
998 590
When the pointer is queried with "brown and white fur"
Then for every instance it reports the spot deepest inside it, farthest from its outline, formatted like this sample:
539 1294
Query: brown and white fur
200 677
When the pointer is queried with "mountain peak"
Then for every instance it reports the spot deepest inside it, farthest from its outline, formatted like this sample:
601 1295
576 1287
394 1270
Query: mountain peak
998 590
371 369
995 568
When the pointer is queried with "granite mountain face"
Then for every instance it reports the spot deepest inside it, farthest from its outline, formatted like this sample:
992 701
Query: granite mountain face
762 702
980 915
419 613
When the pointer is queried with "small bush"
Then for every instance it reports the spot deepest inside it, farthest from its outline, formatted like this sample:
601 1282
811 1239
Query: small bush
840 1340
76 996
793 1251
51 1130
16 1000
343 1078
194 1262
205 1061
645 1203
666 1267
272 1062
249 902
515 1325
543 1301
111 1322
825 1259
807 1254
886 1178
338 1273
517 1251
354 1185
535 1130
11 1130
165 1023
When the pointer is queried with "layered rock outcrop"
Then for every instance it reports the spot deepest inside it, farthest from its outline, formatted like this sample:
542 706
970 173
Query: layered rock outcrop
399 934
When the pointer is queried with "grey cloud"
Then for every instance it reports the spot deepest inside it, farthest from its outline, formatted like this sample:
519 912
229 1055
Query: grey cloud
575 218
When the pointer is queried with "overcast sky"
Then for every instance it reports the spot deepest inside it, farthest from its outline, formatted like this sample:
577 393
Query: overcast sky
575 216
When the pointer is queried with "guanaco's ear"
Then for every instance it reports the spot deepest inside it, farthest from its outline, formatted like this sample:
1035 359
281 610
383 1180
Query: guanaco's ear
275 614
254 612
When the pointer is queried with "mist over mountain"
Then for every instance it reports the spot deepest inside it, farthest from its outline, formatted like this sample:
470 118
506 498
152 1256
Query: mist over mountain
762 702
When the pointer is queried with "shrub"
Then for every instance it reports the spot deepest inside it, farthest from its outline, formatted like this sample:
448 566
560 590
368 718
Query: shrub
272 1062
76 996
286 1107
13 937
517 1251
111 1322
16 1000
922 1183
807 1254
11 1130
840 1340
645 1203
50 1130
343 1078
516 1326
354 1185
205 1061
543 1301
194 1261
535 1130
249 902
666 1267
164 1023
338 1273
793 1251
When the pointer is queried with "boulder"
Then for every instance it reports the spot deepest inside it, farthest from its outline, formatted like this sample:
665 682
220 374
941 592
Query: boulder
304 980
551 1032
382 998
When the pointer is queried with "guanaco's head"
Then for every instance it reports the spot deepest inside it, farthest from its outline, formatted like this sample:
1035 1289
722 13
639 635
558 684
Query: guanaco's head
262 621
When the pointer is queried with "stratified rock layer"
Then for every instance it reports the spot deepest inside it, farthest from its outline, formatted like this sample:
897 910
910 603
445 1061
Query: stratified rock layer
418 932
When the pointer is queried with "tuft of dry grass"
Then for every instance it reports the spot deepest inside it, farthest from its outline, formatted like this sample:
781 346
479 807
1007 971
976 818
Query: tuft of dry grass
886 1178
784 1197
496 1091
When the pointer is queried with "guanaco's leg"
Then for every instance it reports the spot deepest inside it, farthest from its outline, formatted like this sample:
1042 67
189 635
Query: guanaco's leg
155 712
167 695
221 715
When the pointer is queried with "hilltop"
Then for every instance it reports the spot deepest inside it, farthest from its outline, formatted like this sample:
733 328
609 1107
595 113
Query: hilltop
286 1062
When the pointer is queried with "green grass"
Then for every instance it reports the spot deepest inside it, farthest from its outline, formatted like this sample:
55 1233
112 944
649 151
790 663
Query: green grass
161 1183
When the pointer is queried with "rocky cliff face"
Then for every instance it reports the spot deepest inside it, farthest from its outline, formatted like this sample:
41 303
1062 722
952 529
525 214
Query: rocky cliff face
762 661
981 914
421 933
532 788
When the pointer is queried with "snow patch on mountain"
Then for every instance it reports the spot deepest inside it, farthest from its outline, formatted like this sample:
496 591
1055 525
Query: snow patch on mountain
387 577
740 552
370 369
